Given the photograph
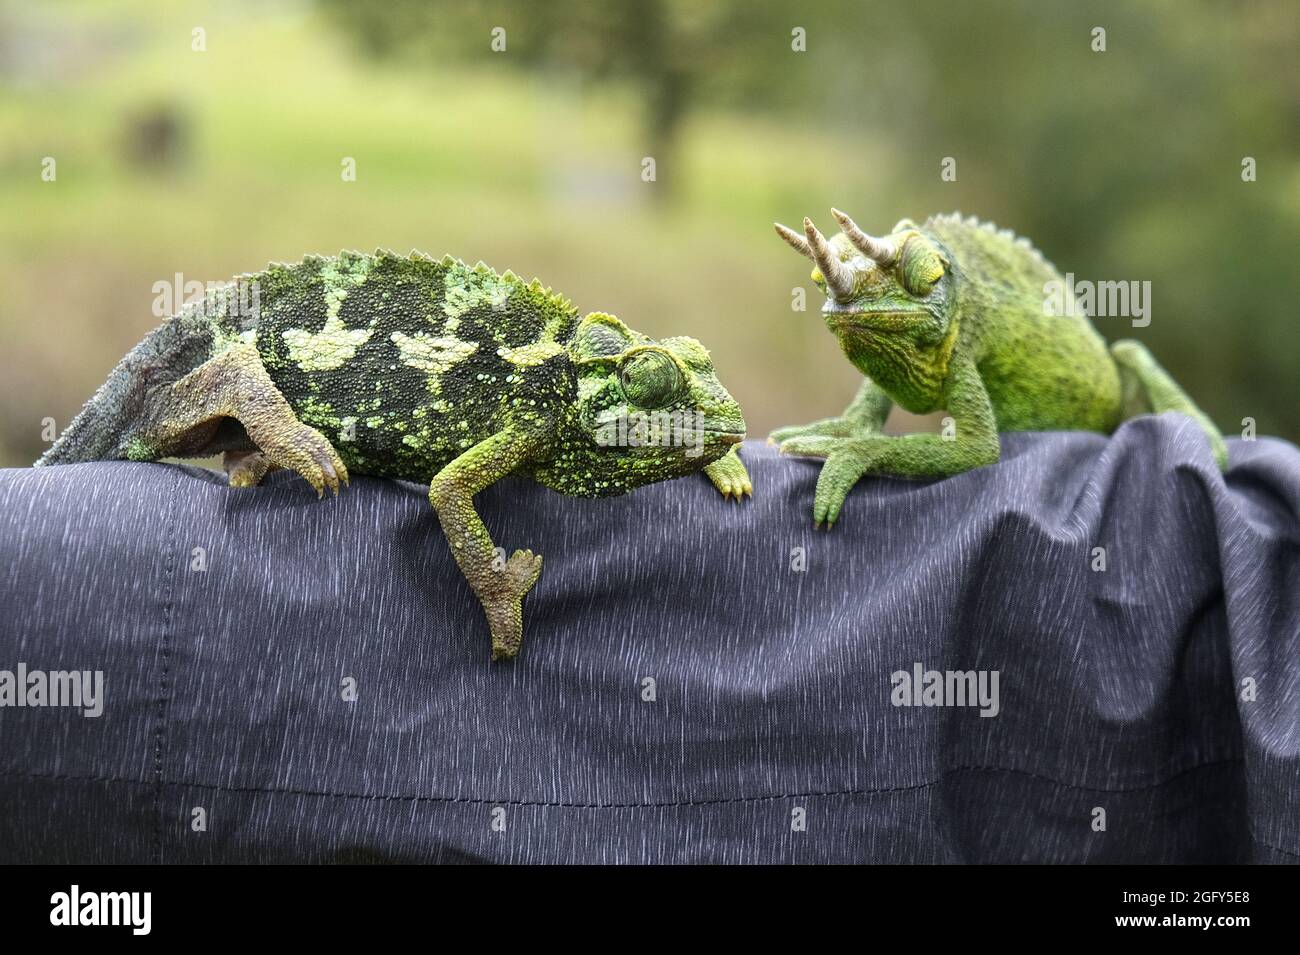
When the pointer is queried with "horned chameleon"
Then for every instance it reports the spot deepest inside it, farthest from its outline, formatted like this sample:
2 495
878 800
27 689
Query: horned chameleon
950 315
421 369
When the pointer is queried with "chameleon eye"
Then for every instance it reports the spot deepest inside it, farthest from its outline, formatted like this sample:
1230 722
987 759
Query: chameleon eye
650 378
922 266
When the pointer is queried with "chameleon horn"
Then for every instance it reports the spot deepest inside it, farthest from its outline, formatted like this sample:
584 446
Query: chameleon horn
878 250
838 278
794 239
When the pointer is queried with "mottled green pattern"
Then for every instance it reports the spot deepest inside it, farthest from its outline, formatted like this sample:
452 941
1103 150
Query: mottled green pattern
424 380
423 369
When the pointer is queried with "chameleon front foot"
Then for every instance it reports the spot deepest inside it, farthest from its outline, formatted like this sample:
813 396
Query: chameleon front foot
729 476
504 604
842 470
847 459
826 428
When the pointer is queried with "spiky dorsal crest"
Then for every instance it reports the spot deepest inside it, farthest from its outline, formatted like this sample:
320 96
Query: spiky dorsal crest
952 219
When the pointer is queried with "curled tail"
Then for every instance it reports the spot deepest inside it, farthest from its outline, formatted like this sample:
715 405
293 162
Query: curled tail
104 429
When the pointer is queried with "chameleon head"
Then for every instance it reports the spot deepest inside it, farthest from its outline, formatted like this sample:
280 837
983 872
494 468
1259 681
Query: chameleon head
655 405
891 293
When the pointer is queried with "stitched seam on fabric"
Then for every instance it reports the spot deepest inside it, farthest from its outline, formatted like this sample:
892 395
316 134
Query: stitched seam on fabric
556 805
1275 849
160 732
469 800
1269 845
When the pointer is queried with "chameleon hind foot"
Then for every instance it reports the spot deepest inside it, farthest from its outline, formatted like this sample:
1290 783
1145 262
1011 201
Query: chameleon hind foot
504 606
247 468
1148 389
729 476
235 384
300 447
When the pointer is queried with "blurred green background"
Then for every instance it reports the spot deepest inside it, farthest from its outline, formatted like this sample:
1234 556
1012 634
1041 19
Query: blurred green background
1120 165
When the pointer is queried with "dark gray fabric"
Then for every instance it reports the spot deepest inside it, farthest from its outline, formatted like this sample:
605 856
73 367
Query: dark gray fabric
1119 690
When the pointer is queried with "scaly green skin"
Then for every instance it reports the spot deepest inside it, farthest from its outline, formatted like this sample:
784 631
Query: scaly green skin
949 316
421 369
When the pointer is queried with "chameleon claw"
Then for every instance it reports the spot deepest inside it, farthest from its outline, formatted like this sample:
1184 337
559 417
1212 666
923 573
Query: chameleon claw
305 450
729 476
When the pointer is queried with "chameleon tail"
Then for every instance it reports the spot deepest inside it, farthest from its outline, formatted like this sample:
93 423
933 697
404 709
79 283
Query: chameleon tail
105 426
96 433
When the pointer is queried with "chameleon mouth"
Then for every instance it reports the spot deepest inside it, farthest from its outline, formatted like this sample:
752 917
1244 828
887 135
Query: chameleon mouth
724 431
847 316
868 320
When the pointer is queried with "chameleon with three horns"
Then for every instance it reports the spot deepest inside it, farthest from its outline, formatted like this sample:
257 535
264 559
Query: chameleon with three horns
422 369
950 315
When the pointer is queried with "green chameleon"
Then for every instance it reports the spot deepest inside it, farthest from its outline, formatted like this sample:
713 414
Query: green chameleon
950 315
425 370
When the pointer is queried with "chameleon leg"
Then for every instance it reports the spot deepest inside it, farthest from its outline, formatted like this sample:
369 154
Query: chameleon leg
866 414
974 444
234 384
1148 389
247 468
729 476
499 586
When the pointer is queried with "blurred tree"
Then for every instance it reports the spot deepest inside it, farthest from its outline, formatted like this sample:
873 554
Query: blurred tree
674 52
